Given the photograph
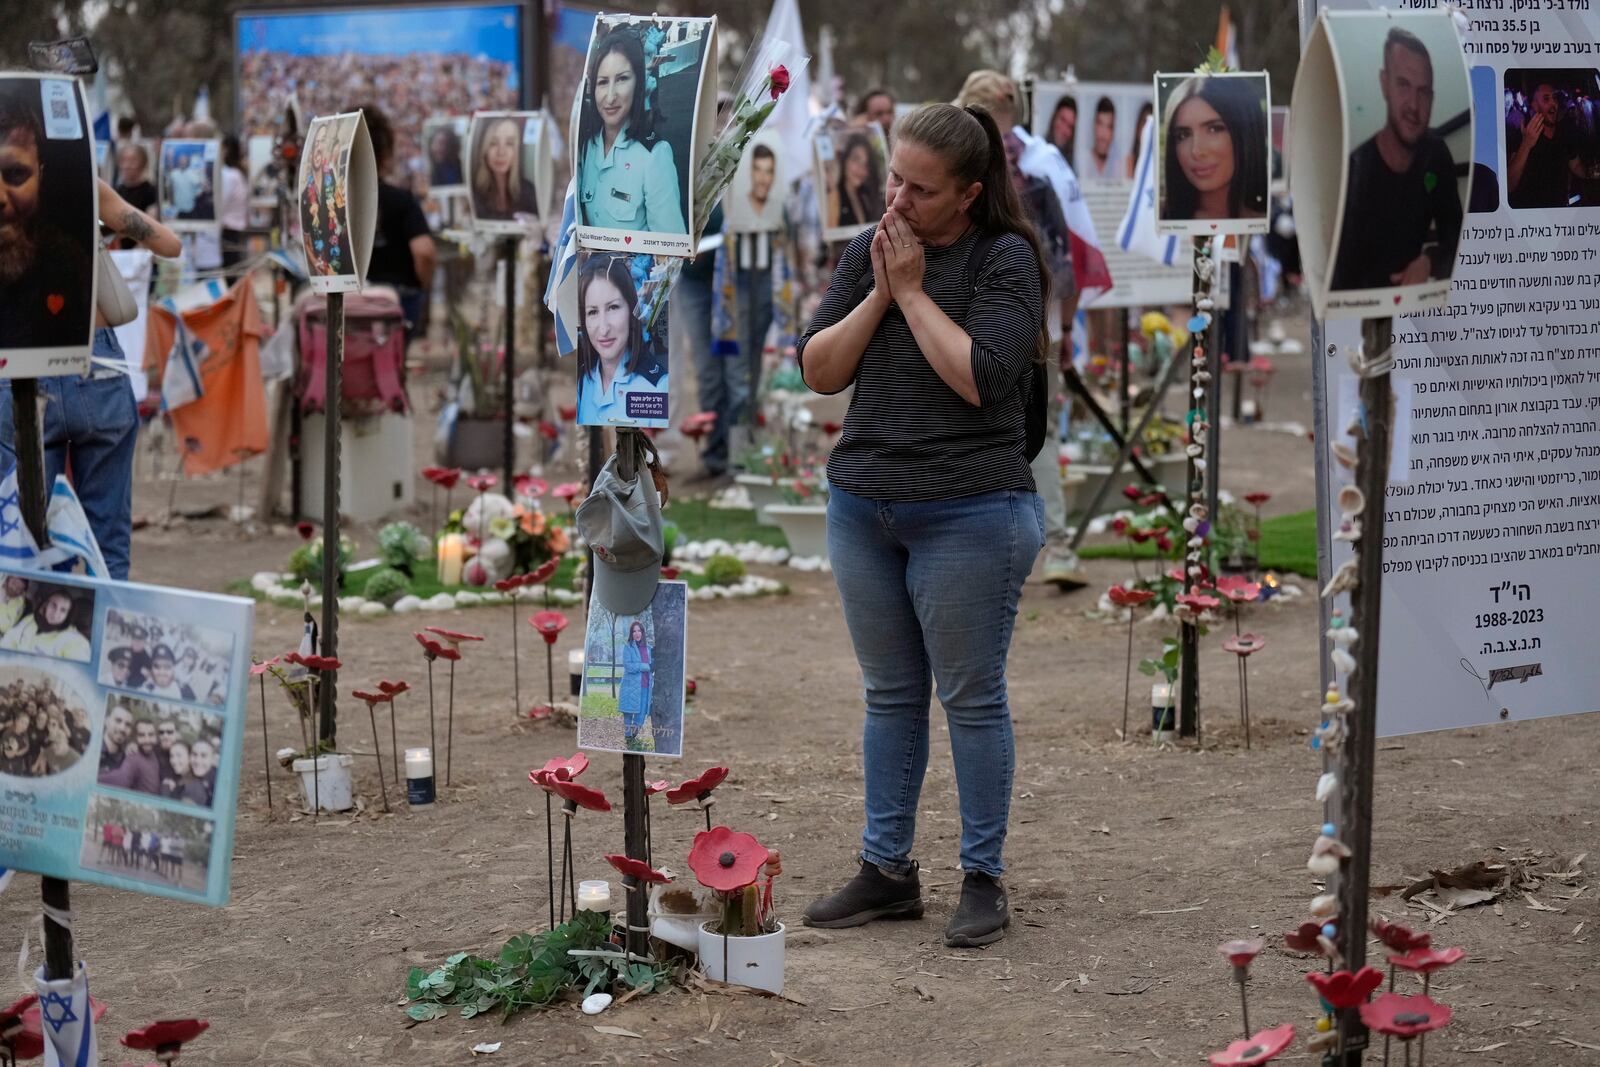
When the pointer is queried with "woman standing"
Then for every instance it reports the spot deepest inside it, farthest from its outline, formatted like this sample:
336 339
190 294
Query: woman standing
499 191
936 317
634 699
1215 164
614 359
627 176
860 185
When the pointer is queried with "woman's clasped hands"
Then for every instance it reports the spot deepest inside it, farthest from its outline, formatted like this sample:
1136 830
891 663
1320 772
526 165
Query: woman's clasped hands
897 257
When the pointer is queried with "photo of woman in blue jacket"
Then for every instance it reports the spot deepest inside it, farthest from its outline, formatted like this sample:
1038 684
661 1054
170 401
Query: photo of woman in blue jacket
634 699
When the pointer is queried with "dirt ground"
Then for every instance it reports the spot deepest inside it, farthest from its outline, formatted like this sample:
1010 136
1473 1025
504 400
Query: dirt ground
1127 864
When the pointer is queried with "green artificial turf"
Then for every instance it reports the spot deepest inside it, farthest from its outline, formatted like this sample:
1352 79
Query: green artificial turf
1288 543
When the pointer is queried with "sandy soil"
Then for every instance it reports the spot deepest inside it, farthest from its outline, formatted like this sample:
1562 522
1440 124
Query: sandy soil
1127 864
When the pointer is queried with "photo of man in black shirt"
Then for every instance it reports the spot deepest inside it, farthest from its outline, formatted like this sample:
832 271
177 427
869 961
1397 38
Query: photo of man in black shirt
1402 212
1550 138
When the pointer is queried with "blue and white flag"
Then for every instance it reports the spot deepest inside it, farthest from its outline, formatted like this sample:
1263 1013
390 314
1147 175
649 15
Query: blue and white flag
69 528
17 545
1137 234
561 292
67 1020
181 383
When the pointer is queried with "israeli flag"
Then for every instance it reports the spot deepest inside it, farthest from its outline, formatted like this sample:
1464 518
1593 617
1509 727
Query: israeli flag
181 383
69 528
67 1020
1137 234
561 293
16 542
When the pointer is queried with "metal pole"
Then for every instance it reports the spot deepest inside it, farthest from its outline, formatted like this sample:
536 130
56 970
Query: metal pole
1354 802
1124 401
635 833
29 445
509 250
327 691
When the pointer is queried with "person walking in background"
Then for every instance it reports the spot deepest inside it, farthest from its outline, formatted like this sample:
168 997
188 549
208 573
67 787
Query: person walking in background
689 323
936 317
403 252
233 206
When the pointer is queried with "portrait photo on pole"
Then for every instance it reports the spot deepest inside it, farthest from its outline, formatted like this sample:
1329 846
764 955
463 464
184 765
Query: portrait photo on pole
509 172
1106 139
338 203
48 228
1214 149
444 154
754 201
1379 212
189 184
852 179
1552 137
633 676
622 340
642 122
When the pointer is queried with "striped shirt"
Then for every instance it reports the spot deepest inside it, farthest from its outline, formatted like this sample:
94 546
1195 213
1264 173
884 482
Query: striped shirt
908 435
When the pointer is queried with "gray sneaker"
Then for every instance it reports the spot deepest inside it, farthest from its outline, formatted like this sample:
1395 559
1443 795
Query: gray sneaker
870 895
1062 568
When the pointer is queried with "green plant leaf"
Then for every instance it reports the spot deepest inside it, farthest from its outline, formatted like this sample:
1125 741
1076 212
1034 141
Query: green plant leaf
414 987
426 1012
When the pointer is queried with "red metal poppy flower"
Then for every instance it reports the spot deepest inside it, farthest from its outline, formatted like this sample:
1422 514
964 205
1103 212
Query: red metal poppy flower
726 860
1138 535
1345 990
669 573
314 663
1257 499
831 428
394 689
1304 939
455 637
1254 1050
506 585
483 482
1129 598
1237 589
445 477
27 1041
1132 492
166 1034
433 649
529 486
652 788
564 769
1427 960
543 572
372 699
258 669
567 490
568 414
549 624
1241 951
640 871
304 529
1175 573
549 430
1244 644
1163 542
1119 524
1198 601
1397 937
690 686
578 796
695 788
1404 1017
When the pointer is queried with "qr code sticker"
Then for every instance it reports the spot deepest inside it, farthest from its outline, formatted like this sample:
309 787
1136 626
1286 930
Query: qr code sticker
59 110
58 98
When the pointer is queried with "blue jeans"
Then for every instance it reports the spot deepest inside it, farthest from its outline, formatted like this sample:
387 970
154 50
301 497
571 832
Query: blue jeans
91 424
690 317
930 592
753 290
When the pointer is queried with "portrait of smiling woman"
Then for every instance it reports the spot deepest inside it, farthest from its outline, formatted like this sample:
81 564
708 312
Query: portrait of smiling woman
502 187
622 367
1215 155
636 124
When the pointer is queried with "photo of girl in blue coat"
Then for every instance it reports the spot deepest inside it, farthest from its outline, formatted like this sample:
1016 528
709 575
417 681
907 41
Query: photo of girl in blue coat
633 682
634 699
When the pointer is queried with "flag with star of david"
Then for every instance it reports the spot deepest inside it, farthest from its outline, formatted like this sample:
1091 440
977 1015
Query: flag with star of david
16 542
67 1020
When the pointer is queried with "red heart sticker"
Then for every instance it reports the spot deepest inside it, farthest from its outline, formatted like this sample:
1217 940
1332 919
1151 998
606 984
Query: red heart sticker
1213 227
55 302
1397 298
627 240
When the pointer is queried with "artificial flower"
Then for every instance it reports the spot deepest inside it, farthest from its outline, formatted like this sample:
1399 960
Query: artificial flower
394 689
549 624
564 770
526 485
1341 989
434 649
559 541
1255 1049
1304 939
1240 952
1427 960
726 860
1257 499
1132 492
455 637
313 663
1237 589
1404 1017
578 796
1244 644
1198 602
699 787
257 669
567 490
652 788
371 698
1397 937
641 872
669 573
304 529
568 414
443 476
483 482
166 1035
1129 598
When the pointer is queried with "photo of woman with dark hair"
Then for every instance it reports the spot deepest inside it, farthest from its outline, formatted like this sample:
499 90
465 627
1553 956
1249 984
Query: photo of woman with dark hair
634 699
443 145
622 366
632 150
853 169
501 188
1215 155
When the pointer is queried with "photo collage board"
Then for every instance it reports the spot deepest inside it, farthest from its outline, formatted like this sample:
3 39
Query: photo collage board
121 726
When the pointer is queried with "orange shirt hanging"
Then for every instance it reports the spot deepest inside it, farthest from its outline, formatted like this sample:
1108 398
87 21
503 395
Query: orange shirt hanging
229 423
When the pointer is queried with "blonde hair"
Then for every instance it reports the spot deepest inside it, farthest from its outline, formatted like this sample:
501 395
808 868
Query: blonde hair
992 91
483 181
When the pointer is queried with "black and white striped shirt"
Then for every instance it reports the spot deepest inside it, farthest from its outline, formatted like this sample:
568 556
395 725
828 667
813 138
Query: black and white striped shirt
908 435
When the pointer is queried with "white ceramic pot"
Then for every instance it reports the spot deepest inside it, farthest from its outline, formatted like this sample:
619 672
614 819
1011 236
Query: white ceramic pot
806 527
756 962
763 494
328 781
